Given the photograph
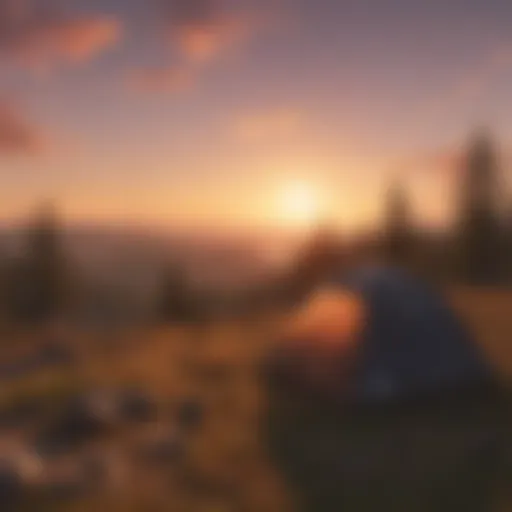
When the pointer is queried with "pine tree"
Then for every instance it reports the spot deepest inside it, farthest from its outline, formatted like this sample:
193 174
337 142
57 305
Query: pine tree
175 302
321 256
39 288
508 252
398 231
3 286
480 240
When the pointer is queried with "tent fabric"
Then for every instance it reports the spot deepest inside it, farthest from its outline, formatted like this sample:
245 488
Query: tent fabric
422 425
412 343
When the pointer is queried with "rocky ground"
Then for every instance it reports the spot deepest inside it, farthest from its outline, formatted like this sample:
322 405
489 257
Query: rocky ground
164 420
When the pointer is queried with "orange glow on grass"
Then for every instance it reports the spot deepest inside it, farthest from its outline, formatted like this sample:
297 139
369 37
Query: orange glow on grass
329 318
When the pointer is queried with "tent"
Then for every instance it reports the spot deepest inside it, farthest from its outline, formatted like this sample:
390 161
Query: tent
421 425
412 344
405 342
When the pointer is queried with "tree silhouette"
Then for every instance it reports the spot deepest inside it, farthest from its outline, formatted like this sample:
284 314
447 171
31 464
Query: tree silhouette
175 301
321 255
508 241
4 273
39 286
398 231
480 240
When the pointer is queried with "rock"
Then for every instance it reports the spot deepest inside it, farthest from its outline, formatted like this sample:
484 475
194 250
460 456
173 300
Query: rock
85 418
16 369
136 406
164 447
11 487
216 373
104 469
22 413
19 472
50 354
56 353
65 489
190 414
29 465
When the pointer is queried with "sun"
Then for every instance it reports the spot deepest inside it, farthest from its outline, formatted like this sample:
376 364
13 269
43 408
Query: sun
299 204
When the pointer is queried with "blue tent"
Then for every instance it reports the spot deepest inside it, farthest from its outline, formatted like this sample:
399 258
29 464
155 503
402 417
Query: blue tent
412 345
422 425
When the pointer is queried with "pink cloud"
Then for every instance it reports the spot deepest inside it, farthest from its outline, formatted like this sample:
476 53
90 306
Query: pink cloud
161 80
444 163
269 125
446 160
480 80
204 41
39 36
17 134
474 84
203 29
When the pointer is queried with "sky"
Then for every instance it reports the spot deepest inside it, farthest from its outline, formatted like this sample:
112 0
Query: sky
197 113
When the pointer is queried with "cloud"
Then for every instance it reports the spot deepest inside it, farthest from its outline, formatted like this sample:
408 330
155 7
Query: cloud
204 29
476 83
200 32
439 162
161 80
203 43
473 85
271 125
447 160
466 93
17 135
38 35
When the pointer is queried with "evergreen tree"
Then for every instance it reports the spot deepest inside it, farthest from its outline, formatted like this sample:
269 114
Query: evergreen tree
322 254
39 287
480 236
398 231
508 241
3 286
175 302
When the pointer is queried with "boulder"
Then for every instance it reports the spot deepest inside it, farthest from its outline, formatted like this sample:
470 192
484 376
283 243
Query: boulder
164 447
137 406
82 419
190 414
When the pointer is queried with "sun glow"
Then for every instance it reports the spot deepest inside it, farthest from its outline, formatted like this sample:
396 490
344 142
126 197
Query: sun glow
299 204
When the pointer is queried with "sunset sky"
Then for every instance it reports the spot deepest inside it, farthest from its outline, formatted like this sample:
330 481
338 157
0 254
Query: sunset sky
204 112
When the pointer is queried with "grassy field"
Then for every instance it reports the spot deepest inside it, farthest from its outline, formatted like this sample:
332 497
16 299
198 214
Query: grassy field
226 467
488 315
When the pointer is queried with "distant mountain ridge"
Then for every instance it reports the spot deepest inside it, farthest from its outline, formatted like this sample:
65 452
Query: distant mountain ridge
135 254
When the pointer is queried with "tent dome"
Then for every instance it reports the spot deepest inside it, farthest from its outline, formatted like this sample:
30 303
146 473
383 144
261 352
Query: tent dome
412 344
417 422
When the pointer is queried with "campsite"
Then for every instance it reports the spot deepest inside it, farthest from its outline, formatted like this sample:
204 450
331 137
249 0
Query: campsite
175 423
255 256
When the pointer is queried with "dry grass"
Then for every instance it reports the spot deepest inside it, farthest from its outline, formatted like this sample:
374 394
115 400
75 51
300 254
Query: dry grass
227 468
488 315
